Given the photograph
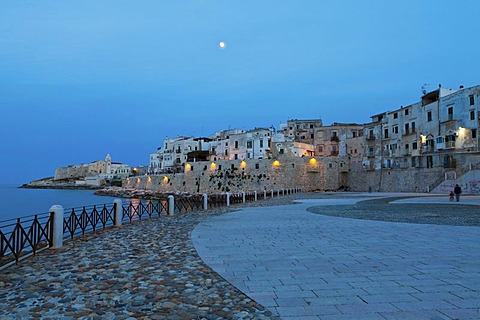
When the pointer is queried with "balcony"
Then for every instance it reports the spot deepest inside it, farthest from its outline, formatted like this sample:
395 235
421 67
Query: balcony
450 145
334 139
370 137
427 149
334 153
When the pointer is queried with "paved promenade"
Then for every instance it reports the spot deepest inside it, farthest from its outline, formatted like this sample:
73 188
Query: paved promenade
305 265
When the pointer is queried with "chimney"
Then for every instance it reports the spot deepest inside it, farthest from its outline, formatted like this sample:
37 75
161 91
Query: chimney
439 85
461 86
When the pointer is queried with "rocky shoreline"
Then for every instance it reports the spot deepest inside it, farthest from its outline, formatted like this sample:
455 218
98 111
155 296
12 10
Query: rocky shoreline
139 193
51 183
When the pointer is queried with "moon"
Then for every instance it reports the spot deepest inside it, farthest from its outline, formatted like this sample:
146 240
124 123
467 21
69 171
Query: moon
222 45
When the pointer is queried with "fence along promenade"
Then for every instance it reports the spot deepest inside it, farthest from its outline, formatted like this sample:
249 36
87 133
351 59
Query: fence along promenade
29 235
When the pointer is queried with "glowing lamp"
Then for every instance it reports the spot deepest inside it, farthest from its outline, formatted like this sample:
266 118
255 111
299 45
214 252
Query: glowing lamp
243 164
276 163
188 167
312 161
165 179
213 165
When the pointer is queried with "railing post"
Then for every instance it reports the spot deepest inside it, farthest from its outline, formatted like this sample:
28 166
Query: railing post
205 202
57 226
278 193
228 199
272 193
256 196
243 196
171 205
264 194
283 192
117 213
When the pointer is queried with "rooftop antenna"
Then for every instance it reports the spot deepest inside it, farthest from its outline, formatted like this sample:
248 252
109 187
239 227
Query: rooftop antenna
424 88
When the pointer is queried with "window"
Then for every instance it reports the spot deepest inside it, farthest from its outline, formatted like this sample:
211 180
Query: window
414 146
311 136
407 128
261 143
311 126
281 151
385 133
474 133
450 113
236 144
472 99
249 144
413 126
472 114
320 148
235 156
406 112
395 115
257 166
354 134
429 116
407 146
395 129
413 162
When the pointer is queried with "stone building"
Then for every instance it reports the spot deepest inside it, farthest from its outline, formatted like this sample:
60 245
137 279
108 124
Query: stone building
95 171
302 130
332 140
421 144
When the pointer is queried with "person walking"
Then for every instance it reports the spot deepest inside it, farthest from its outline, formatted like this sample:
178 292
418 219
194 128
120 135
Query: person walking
457 190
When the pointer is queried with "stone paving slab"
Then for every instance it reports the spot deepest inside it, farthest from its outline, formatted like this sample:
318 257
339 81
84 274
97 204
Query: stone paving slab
341 268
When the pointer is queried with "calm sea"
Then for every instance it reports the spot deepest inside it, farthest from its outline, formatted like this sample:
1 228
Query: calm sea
16 202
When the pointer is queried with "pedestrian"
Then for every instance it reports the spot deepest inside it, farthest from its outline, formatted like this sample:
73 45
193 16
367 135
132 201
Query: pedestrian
457 190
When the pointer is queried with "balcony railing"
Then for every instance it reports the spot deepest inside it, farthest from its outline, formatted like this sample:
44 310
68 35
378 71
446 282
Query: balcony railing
450 145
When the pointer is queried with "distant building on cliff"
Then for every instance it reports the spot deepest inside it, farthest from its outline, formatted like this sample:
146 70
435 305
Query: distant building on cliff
94 173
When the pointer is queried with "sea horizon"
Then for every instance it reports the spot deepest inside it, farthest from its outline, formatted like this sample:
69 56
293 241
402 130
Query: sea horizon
20 202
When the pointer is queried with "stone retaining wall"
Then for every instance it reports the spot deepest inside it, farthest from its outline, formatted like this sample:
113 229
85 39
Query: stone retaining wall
236 176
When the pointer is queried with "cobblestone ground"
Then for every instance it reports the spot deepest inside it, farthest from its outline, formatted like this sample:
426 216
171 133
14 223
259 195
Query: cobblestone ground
145 270
384 210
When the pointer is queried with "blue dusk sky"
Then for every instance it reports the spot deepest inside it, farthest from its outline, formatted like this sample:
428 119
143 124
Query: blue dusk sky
80 79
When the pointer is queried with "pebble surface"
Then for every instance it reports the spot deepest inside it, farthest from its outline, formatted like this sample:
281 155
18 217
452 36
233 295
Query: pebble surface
145 270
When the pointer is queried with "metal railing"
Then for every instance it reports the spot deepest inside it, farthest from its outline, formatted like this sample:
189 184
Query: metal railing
87 219
249 196
191 203
136 209
236 198
23 236
28 235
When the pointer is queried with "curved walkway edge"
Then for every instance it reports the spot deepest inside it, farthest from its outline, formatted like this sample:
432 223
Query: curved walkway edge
302 265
